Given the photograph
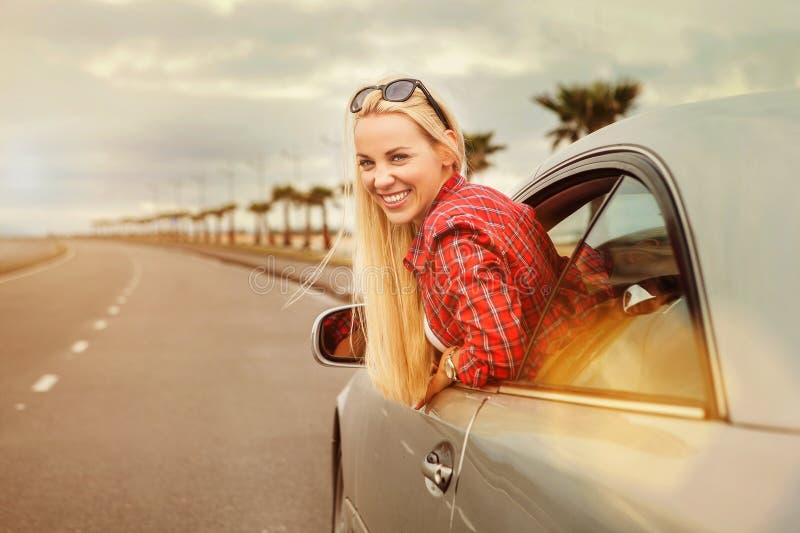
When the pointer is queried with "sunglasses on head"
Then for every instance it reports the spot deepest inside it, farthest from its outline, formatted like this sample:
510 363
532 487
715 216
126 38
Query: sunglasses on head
397 91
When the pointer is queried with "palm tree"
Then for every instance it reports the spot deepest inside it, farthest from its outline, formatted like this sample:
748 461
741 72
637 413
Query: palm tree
259 210
317 196
286 195
583 109
205 213
200 225
302 199
479 147
127 226
163 229
217 213
173 218
181 215
230 209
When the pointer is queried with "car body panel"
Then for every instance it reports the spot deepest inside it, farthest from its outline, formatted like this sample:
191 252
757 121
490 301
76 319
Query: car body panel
383 446
562 466
730 161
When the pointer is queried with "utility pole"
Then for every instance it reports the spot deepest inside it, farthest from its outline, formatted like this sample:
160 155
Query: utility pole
154 191
176 220
229 174
201 203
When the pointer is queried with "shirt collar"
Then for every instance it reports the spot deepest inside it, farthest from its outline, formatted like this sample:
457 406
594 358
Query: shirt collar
415 258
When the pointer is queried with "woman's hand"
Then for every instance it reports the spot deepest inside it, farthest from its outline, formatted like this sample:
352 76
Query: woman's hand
439 381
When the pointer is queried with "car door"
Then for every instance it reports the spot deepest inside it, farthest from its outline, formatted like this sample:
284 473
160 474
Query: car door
398 452
617 425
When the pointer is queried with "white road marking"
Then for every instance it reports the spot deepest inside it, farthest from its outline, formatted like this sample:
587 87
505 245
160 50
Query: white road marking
100 325
113 310
20 407
408 448
80 346
134 281
45 383
71 253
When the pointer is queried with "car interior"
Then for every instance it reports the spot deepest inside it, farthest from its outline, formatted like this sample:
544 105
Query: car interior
638 338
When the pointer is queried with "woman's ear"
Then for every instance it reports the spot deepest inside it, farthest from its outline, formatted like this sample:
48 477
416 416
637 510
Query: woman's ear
447 155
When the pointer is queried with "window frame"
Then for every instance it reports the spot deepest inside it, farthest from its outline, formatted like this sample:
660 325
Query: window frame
654 176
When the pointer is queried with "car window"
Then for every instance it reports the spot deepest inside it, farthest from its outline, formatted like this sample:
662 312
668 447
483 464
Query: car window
618 320
567 234
566 215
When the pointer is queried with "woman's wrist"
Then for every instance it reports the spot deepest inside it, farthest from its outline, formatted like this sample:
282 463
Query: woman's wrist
449 363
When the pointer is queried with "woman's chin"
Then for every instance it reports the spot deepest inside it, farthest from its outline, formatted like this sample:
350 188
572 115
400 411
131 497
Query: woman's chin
398 216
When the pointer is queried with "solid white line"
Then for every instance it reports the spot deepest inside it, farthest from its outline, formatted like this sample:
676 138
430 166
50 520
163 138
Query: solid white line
113 310
100 324
71 253
80 346
45 383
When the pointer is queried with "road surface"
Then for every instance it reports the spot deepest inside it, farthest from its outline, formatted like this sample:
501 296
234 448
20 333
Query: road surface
143 389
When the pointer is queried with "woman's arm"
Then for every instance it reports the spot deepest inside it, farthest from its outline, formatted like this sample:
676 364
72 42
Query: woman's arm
474 280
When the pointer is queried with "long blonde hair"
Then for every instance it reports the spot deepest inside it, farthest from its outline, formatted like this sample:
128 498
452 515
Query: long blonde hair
398 354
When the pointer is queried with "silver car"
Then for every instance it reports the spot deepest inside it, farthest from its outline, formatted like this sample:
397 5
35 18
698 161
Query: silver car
676 407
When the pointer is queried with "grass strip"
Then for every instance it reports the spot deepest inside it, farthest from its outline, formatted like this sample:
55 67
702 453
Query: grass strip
10 266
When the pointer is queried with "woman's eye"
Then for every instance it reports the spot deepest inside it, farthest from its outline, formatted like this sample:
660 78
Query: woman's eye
364 163
399 157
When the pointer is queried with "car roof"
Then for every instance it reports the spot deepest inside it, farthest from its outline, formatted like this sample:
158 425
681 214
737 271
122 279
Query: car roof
734 164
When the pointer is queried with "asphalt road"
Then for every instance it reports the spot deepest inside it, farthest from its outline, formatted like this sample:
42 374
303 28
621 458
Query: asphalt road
143 389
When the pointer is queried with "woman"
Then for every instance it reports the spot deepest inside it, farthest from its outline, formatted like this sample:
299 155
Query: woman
453 275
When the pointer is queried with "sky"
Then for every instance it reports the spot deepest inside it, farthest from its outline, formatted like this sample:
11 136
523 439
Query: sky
112 108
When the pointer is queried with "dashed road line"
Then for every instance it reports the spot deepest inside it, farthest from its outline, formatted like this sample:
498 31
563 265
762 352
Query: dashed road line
80 346
45 383
113 310
20 406
100 325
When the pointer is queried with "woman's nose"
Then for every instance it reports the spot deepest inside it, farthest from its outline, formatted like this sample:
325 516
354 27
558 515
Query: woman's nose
383 178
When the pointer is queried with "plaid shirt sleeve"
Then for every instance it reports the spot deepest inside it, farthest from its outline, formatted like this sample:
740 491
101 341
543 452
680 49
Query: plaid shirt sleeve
474 281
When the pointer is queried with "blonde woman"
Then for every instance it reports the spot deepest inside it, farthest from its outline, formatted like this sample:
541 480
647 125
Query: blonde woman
452 274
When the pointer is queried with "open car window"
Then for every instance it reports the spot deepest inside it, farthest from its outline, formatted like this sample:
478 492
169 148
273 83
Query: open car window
618 320
566 214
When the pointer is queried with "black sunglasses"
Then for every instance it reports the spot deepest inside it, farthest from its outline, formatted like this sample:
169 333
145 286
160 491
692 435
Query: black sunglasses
397 91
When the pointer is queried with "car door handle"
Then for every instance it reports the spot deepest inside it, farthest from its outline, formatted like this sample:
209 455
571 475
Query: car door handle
437 467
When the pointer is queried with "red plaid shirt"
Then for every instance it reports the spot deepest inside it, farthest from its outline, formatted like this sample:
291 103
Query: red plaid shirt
485 268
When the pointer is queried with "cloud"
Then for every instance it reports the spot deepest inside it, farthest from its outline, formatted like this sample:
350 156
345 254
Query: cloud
103 98
146 56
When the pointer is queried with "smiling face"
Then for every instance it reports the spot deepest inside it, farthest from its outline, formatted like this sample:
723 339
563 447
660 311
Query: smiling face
399 167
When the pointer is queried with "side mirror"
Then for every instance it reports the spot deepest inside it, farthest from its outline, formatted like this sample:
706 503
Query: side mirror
337 337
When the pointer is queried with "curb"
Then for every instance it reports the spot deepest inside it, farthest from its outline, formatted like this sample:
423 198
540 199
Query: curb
335 280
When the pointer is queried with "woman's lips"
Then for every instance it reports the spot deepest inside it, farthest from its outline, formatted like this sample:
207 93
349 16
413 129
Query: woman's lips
395 199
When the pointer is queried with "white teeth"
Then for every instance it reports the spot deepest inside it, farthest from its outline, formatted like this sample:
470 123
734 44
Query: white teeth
393 199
